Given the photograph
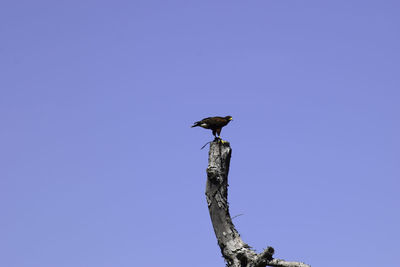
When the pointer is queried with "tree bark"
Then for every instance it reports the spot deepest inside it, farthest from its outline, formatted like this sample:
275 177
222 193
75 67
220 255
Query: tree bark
235 252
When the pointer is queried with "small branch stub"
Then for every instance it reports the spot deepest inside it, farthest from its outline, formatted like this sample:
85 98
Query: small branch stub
235 252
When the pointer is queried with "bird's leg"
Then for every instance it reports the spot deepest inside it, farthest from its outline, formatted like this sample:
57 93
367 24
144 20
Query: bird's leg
215 135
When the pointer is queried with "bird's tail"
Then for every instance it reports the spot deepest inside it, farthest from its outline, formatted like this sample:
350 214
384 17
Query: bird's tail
197 123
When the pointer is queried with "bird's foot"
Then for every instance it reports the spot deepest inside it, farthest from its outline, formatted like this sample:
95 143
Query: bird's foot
219 140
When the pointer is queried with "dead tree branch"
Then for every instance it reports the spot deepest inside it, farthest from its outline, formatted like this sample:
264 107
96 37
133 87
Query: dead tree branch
233 249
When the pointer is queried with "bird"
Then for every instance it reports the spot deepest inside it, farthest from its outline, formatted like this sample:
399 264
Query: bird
213 123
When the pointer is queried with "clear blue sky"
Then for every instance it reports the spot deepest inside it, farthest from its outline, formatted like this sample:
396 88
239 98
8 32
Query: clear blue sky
99 165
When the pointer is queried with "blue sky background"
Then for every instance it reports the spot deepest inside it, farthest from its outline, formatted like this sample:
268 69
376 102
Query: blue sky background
101 168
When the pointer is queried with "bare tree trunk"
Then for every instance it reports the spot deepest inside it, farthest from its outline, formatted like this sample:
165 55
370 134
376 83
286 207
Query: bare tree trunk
233 249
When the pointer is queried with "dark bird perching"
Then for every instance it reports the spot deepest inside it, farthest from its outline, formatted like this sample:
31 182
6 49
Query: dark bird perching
213 123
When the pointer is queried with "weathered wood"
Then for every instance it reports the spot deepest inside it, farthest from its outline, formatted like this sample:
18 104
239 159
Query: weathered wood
233 249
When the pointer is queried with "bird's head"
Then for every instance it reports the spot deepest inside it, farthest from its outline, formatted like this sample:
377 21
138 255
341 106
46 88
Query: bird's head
229 118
